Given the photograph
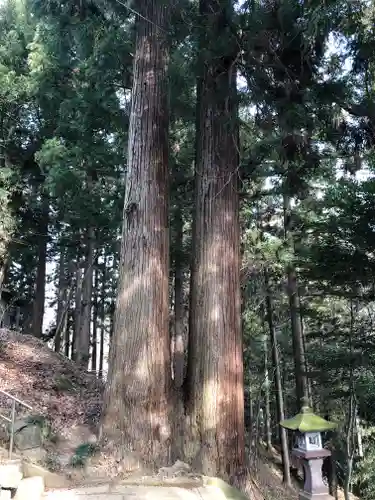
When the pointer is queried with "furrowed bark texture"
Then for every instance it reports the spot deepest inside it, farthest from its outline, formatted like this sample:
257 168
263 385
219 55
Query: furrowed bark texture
136 410
179 340
215 368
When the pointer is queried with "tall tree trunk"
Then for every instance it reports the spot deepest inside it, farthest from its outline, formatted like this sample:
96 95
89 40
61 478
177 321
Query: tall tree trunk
278 385
77 311
292 290
40 283
306 367
6 218
267 401
61 317
83 345
94 355
69 333
215 365
179 340
3 266
102 317
136 414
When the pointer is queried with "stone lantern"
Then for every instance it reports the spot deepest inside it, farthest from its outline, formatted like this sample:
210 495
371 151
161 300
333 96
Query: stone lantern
309 450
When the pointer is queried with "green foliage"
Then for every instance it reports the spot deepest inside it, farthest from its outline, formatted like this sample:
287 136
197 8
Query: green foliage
82 453
47 433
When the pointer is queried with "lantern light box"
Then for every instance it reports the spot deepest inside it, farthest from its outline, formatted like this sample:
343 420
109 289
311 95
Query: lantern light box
309 441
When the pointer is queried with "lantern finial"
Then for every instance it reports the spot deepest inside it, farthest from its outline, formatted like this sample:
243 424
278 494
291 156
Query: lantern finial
305 406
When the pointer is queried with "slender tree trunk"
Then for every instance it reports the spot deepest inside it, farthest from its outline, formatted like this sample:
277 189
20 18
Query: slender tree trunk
6 219
94 354
112 320
292 289
77 311
306 367
179 340
83 347
350 440
102 318
359 437
61 317
251 415
267 401
278 385
215 366
40 284
332 479
68 333
136 414
3 268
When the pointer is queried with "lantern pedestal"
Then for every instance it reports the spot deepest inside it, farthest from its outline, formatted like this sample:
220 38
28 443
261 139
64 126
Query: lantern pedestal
312 461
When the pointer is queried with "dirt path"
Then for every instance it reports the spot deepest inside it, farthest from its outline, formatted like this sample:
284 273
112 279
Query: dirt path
124 492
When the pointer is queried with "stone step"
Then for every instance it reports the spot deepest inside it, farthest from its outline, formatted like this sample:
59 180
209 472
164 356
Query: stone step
30 488
10 474
5 494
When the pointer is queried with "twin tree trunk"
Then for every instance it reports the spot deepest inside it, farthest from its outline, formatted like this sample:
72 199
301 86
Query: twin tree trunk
215 368
136 416
136 406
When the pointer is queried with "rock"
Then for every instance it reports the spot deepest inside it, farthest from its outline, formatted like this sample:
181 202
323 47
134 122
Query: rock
27 434
178 469
80 434
31 488
10 475
35 454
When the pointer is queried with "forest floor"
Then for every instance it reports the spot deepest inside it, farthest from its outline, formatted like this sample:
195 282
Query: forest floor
71 398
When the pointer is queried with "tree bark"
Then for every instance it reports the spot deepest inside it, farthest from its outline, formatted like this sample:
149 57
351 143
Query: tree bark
215 366
3 267
62 313
102 317
6 218
179 340
40 284
94 355
136 412
77 311
83 345
292 290
278 385
68 333
267 400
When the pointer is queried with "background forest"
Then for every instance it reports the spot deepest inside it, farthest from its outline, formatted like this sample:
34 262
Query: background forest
302 172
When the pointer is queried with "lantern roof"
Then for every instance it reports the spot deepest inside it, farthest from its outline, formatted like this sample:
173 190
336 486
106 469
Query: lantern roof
307 421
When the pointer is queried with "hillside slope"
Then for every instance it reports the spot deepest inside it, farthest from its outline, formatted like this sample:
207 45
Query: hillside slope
51 384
